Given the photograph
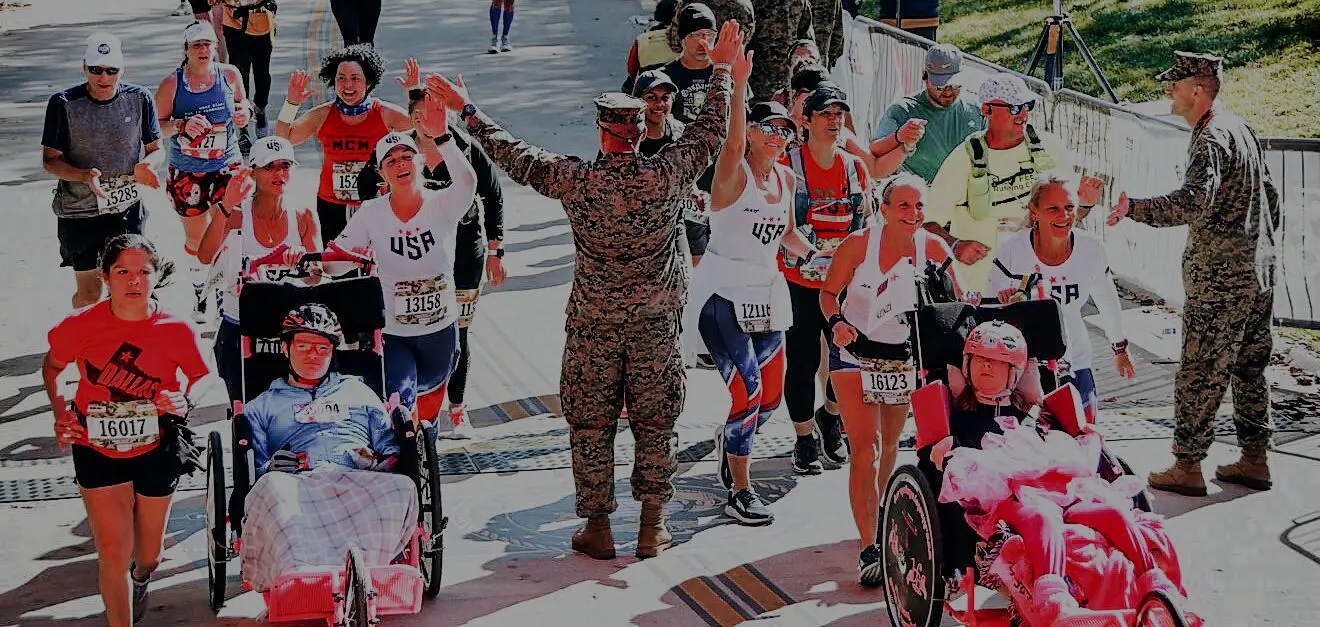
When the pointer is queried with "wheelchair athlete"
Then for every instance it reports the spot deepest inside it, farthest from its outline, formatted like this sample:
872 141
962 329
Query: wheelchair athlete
1057 532
313 433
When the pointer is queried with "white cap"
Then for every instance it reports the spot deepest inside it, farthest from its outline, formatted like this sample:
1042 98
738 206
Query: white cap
393 140
104 50
1009 88
270 149
199 31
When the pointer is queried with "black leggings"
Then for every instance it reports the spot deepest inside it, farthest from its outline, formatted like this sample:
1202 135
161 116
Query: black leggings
357 20
802 353
458 381
251 55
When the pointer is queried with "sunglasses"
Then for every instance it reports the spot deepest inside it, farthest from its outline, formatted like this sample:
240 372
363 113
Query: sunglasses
1014 109
98 70
772 129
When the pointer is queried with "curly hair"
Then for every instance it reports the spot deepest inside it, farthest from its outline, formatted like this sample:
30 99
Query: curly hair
373 65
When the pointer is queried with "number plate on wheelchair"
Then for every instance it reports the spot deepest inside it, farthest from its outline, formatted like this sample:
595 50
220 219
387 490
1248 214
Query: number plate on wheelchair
122 427
421 301
120 193
887 381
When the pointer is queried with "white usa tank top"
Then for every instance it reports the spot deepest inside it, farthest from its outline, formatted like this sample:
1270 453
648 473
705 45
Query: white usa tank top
245 246
876 300
750 229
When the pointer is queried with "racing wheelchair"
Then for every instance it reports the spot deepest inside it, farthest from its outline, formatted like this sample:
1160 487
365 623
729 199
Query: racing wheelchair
354 593
930 554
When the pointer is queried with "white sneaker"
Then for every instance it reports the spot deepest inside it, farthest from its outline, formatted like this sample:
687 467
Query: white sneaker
463 429
505 46
494 44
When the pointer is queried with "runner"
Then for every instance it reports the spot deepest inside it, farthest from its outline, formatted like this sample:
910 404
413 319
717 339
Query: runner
412 230
250 221
1071 267
123 420
738 302
651 51
347 128
357 20
473 257
201 107
93 141
500 11
249 28
871 351
830 202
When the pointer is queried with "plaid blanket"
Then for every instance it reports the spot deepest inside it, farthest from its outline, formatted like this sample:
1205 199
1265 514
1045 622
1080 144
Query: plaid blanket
308 519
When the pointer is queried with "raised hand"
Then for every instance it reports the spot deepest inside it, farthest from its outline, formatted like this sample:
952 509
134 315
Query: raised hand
729 44
239 187
1089 191
431 117
1119 211
300 87
452 94
412 75
742 67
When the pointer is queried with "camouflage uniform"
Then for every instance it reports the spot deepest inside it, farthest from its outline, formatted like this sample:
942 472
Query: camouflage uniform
773 43
1226 322
827 19
724 11
629 287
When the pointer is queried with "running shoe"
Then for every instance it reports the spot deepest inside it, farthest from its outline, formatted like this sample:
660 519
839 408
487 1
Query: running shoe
262 129
748 508
705 362
833 445
139 597
184 9
494 44
805 460
871 568
505 46
463 429
725 473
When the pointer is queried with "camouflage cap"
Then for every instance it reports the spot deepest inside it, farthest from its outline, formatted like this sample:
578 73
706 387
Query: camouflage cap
1189 64
619 113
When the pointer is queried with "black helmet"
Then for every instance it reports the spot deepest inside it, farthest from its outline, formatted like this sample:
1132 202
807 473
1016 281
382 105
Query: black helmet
312 318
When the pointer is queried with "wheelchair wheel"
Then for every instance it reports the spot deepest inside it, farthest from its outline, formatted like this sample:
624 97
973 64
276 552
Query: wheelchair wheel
358 593
1142 499
912 551
217 552
432 559
1158 610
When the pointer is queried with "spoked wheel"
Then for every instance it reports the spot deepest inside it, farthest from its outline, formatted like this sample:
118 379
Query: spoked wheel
432 511
1158 610
359 611
912 551
217 552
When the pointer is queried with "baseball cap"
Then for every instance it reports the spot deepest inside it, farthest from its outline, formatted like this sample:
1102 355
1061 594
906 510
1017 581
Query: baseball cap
768 111
104 50
943 62
199 31
1009 88
270 149
392 141
826 94
650 79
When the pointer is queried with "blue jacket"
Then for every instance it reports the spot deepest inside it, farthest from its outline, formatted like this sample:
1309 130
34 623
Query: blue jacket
329 422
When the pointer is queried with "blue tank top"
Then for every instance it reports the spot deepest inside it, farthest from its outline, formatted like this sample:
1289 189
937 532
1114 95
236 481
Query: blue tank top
215 149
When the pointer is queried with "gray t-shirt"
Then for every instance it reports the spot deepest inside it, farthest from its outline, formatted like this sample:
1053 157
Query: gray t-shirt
107 135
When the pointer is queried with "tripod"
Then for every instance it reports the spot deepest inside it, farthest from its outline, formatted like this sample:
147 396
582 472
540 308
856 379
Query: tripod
1050 48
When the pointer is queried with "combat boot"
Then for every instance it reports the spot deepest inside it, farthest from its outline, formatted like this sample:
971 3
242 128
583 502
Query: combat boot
653 536
1250 471
595 540
1182 478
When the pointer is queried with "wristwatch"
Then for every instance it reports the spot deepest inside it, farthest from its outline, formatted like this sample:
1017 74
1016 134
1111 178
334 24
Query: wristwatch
469 110
498 252
444 139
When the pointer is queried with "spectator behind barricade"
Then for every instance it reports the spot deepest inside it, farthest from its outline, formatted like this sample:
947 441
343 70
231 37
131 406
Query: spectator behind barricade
773 43
919 17
980 193
651 51
919 131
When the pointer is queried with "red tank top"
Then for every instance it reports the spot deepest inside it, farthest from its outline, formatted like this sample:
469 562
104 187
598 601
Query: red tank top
828 200
346 149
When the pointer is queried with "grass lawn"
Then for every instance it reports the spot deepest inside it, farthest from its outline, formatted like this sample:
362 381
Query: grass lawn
1271 48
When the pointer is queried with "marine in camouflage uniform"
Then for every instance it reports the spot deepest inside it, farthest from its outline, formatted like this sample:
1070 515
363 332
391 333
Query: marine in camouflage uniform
724 10
773 43
827 19
1231 208
629 287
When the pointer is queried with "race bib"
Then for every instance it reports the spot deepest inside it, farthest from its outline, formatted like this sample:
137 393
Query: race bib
210 145
123 427
694 209
327 411
120 193
344 179
887 381
467 306
819 266
753 317
420 301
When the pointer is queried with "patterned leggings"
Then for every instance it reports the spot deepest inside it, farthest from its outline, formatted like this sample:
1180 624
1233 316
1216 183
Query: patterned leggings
753 367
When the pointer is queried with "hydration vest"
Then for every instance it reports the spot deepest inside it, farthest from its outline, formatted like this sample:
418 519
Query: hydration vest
980 189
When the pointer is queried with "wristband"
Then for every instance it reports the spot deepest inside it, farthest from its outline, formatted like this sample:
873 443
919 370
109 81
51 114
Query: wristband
1120 348
835 319
288 113
444 139
727 67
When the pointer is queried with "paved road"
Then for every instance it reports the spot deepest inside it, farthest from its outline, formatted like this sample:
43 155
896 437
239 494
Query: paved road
508 561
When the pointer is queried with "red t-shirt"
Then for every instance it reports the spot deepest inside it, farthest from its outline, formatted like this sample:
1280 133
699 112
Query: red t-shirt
123 361
346 149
